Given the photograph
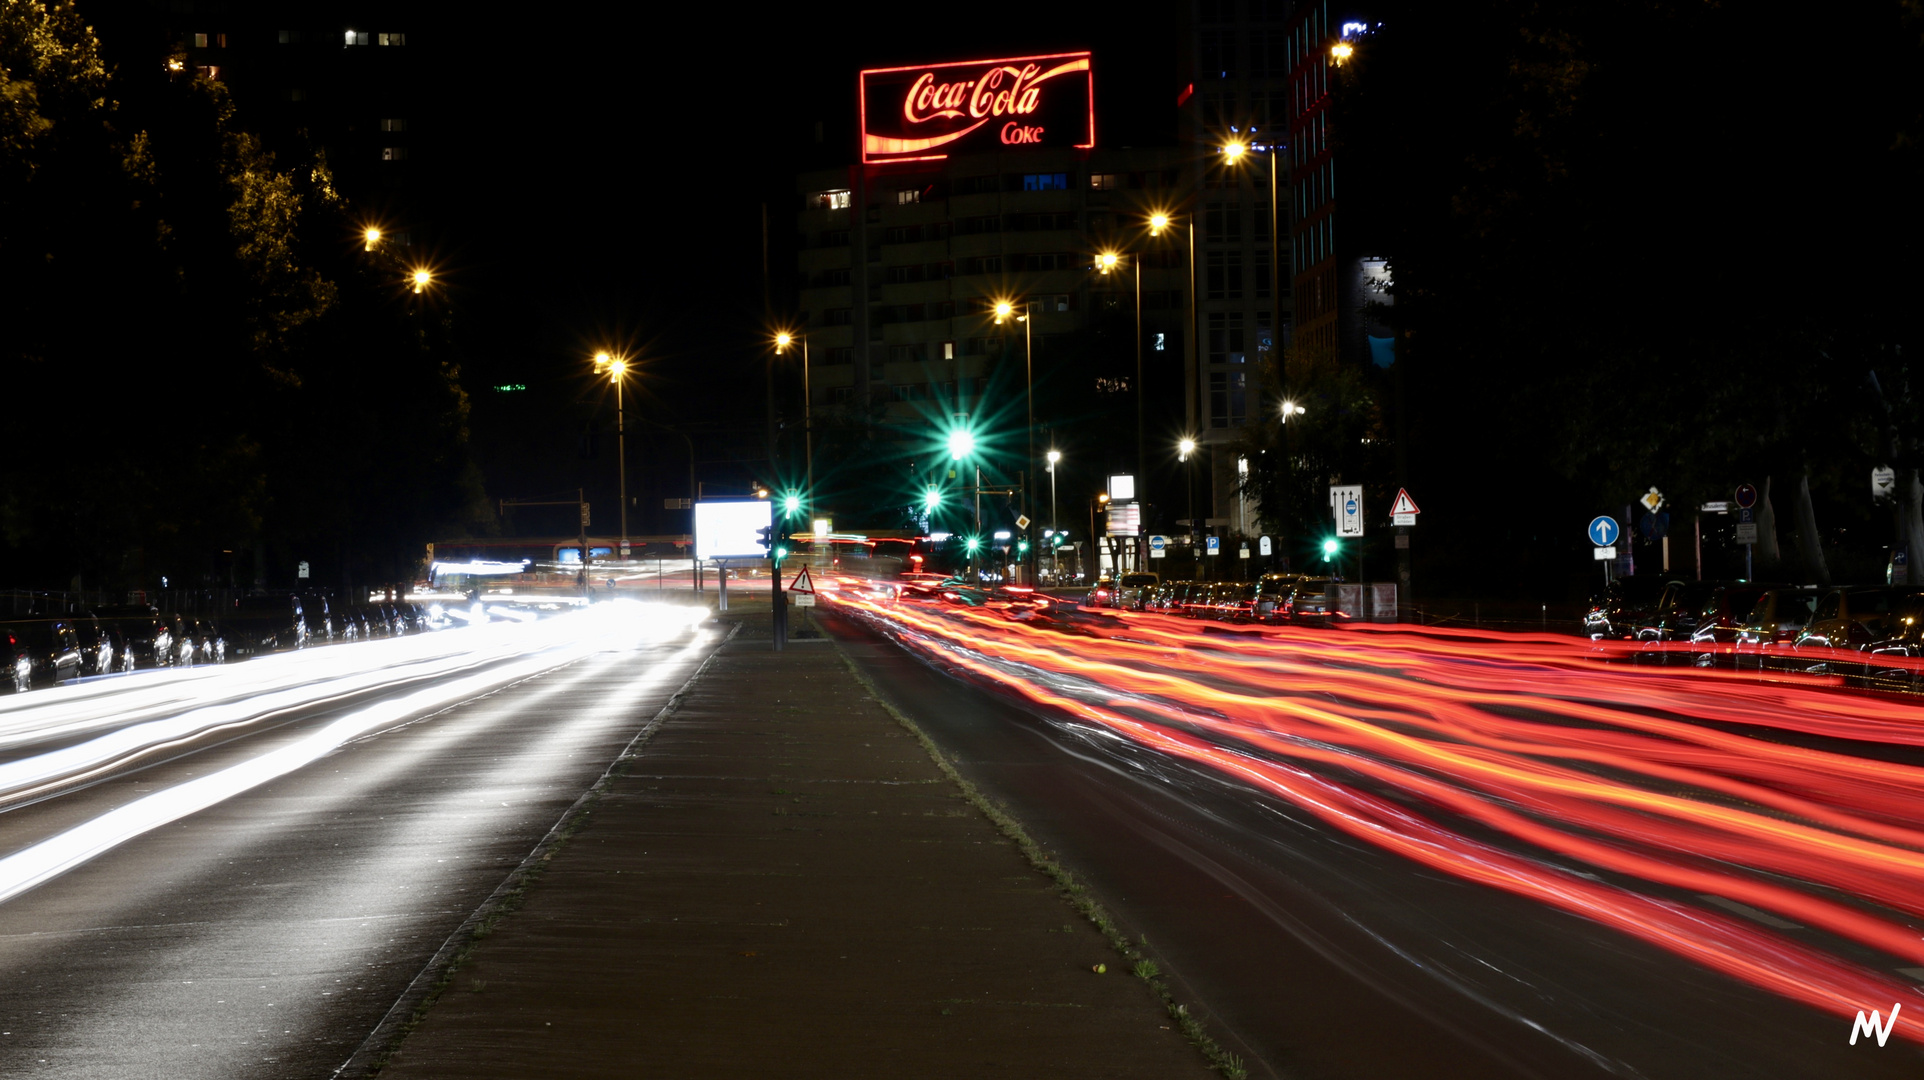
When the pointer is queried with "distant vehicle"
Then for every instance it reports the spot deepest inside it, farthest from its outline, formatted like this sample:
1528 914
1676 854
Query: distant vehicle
50 648
1232 601
264 624
146 636
1627 603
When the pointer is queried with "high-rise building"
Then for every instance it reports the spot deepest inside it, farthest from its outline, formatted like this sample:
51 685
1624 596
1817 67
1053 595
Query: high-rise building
1235 126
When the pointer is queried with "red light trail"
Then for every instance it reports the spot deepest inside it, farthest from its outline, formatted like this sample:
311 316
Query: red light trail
1671 785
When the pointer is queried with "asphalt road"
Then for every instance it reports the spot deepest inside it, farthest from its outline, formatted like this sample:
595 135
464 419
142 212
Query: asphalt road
267 934
1313 955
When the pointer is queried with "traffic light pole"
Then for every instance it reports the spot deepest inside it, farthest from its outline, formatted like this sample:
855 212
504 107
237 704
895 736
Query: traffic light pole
778 600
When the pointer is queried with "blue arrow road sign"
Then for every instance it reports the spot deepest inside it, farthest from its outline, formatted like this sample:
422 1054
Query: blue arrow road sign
1603 530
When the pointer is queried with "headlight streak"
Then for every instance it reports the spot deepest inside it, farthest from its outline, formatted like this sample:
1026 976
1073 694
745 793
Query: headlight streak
1607 766
543 647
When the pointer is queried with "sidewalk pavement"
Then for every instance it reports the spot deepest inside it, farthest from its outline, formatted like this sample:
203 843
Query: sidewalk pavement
780 883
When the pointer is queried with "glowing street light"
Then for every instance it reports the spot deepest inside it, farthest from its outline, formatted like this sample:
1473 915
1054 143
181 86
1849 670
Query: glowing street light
1003 309
616 368
421 278
1157 223
1186 448
370 237
1341 51
1290 409
1107 261
1234 150
1055 556
784 339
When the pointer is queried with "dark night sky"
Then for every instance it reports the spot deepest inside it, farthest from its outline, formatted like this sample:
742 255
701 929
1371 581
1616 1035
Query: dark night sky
613 190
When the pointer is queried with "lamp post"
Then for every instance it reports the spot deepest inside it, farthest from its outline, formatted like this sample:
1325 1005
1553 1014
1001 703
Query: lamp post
1290 410
782 341
961 447
1235 151
617 369
1184 451
1106 262
1055 549
1003 309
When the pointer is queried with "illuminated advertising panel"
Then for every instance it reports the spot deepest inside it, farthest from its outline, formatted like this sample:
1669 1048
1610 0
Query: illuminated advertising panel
929 111
730 530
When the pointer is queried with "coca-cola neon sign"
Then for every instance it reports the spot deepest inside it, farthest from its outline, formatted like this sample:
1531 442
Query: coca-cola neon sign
929 111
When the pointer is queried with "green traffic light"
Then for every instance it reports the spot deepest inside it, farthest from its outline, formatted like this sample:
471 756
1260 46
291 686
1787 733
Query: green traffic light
961 443
932 500
791 503
1329 549
974 542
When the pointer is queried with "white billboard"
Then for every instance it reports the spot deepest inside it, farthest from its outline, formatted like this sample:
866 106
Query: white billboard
728 530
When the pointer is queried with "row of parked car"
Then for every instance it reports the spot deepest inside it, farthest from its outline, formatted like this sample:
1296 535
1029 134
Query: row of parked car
1272 598
40 650
1787 621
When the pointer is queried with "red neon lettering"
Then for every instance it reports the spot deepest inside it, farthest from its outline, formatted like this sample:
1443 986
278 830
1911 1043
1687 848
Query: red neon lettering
1014 133
925 93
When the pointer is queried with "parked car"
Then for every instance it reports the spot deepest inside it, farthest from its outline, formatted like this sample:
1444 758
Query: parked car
99 645
264 624
315 611
1626 604
350 624
1779 616
1312 601
50 648
145 635
16 661
206 641
1272 596
1134 589
1233 601
1853 618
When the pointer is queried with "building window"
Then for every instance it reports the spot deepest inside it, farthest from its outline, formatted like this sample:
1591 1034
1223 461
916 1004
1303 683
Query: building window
948 350
394 153
290 37
831 278
394 125
906 198
844 394
1262 274
1228 398
1106 181
977 225
903 275
357 37
983 346
208 71
1225 275
1049 181
906 354
975 185
835 238
297 94
828 200
1050 260
837 317
1051 302
1226 337
1222 222
1218 57
391 39
987 264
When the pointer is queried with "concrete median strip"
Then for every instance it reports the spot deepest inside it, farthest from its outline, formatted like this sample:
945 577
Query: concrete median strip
781 877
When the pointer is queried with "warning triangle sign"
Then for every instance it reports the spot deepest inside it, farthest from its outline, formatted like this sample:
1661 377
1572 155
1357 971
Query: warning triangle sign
802 584
1404 504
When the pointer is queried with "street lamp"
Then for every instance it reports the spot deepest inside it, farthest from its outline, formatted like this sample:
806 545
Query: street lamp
782 342
1184 451
616 368
421 278
1159 220
370 237
1234 151
1003 309
962 448
1106 262
1055 552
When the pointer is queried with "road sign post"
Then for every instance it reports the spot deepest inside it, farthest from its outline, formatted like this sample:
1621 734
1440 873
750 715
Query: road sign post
1603 532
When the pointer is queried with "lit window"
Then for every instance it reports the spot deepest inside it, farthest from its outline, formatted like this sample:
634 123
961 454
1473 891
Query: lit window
394 153
1045 182
210 72
200 41
948 350
1105 181
394 125
904 198
390 39
831 200
356 37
